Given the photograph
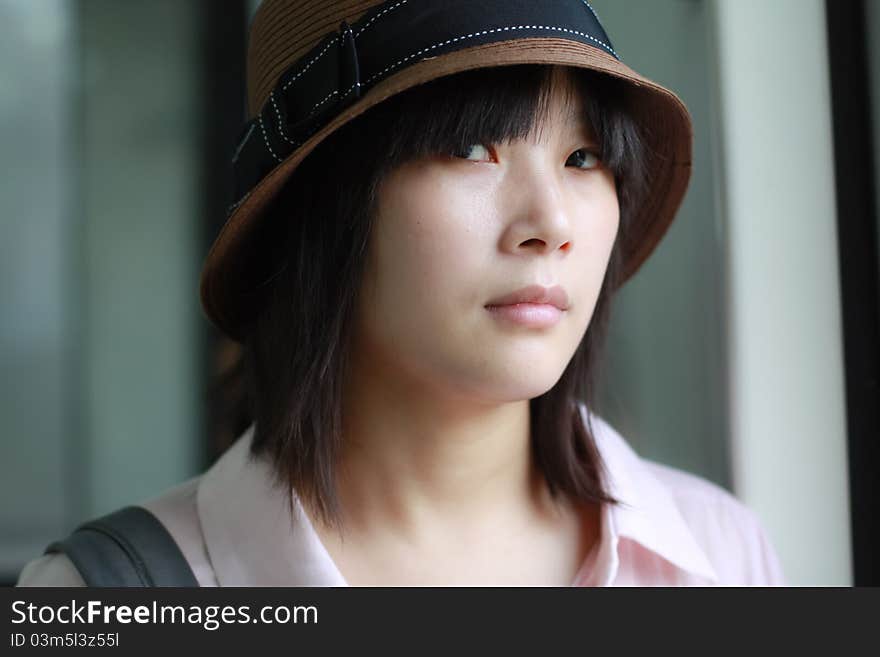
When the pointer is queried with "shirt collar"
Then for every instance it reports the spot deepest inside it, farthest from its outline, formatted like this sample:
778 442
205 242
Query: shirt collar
253 540
251 537
648 513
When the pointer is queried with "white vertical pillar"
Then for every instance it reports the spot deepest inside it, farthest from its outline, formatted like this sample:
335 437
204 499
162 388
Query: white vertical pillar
789 451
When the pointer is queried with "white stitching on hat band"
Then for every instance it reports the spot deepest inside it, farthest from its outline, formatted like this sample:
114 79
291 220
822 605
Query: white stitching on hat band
327 47
438 45
329 96
483 33
395 6
358 84
266 139
363 29
374 18
395 65
278 114
415 54
335 92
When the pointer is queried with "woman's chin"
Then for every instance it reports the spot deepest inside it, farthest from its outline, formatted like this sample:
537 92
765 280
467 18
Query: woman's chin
518 381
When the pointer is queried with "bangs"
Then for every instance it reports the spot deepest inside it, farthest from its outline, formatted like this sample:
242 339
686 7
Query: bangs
483 106
503 104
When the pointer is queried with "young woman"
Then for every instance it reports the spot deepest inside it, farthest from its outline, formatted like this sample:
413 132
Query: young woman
435 209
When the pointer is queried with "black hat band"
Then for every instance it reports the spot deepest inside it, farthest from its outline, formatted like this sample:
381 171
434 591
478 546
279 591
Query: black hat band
388 38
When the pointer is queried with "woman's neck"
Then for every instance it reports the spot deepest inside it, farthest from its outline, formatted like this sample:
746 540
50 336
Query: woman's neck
437 489
415 459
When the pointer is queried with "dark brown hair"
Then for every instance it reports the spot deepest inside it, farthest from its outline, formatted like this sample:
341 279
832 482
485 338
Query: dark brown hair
298 344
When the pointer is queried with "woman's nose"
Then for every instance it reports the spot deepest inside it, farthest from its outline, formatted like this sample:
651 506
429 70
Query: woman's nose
540 220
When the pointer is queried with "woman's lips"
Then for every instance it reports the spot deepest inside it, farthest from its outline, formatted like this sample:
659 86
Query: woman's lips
531 315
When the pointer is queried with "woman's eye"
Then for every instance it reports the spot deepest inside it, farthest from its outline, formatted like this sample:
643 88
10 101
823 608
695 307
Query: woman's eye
475 152
584 159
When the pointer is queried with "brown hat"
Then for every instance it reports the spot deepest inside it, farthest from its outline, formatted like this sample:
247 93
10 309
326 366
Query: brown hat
314 65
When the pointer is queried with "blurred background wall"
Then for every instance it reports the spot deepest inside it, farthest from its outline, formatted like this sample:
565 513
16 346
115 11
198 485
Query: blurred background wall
101 351
38 283
745 350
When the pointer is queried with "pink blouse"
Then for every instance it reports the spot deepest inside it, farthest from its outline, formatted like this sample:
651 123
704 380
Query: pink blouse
674 529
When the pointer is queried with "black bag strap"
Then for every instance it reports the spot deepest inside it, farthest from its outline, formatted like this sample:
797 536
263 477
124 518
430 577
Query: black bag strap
129 547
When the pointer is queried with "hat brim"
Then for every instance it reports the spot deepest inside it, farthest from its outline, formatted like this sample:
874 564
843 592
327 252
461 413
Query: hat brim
663 118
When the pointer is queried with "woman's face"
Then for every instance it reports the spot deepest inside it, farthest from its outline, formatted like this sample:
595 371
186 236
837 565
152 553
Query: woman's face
452 234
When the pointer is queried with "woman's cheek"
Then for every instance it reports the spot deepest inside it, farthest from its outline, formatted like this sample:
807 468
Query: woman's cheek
446 234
